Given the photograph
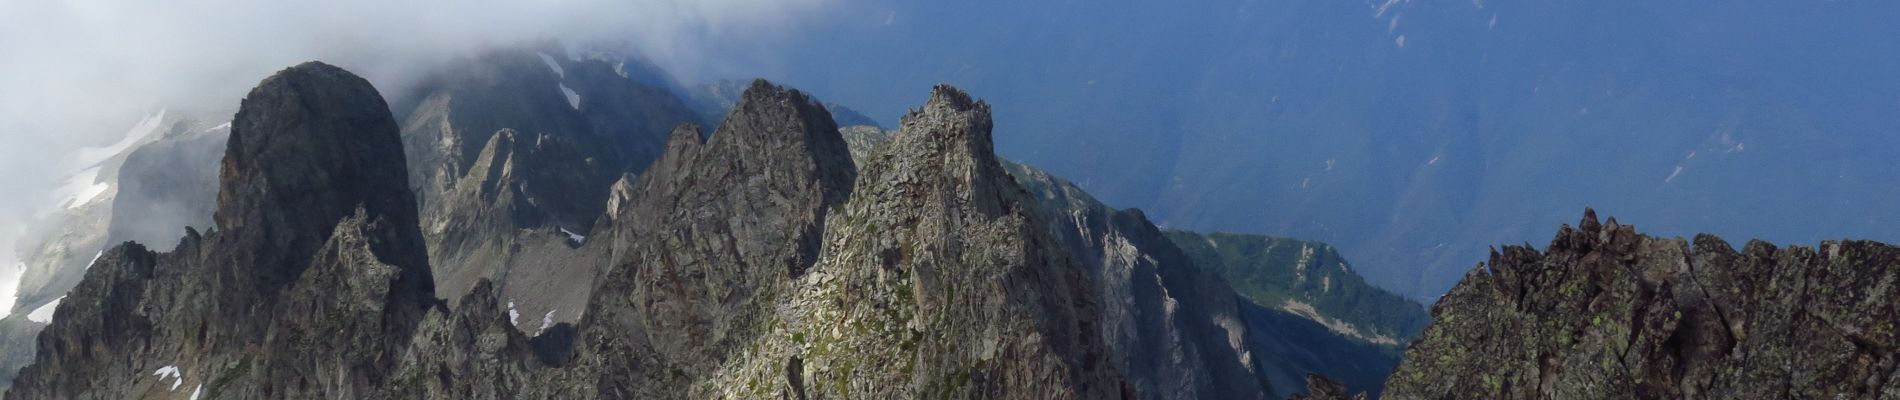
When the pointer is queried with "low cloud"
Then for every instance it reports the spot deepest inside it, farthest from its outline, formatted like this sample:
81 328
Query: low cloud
81 73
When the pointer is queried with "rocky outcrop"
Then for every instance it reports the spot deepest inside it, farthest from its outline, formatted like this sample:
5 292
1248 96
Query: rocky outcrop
517 218
310 285
938 279
1606 312
710 235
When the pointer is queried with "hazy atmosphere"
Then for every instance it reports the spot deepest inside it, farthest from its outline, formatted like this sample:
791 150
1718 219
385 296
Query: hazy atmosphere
83 75
841 199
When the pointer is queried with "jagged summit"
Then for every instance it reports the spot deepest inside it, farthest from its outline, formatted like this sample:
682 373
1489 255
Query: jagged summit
1606 312
776 124
319 140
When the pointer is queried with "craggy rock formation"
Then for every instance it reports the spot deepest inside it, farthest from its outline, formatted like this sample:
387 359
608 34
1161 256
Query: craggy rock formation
938 279
513 153
314 276
711 234
1605 312
771 259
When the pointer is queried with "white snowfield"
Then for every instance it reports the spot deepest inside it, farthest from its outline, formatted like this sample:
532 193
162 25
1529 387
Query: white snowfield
171 372
81 189
573 99
553 65
92 156
44 314
547 321
578 238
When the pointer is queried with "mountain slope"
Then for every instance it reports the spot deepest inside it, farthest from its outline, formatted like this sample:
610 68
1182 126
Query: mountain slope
1306 278
514 153
1168 295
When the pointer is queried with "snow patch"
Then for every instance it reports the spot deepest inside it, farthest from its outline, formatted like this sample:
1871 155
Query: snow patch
226 125
1672 175
91 156
546 322
95 259
81 189
170 372
1400 41
1434 161
512 314
576 237
553 65
195 392
44 314
573 99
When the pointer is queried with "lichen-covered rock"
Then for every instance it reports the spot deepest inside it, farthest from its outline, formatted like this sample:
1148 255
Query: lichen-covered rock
1606 312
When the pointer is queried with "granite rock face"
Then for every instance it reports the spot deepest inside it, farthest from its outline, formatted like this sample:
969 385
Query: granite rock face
711 234
1606 312
938 279
315 275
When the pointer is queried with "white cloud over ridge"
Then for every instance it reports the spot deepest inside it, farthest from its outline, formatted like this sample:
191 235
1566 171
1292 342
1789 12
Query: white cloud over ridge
79 73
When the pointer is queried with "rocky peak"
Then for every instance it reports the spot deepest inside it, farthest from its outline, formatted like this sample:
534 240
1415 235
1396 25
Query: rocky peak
318 140
1607 312
755 198
953 143
773 125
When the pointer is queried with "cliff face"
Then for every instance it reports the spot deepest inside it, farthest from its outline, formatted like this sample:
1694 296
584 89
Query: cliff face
274 302
1606 312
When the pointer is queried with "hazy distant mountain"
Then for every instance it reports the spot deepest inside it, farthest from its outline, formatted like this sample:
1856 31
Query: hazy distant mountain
1412 134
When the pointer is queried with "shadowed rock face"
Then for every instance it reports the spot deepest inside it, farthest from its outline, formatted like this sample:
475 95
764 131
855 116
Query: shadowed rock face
314 279
709 236
308 147
1605 312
